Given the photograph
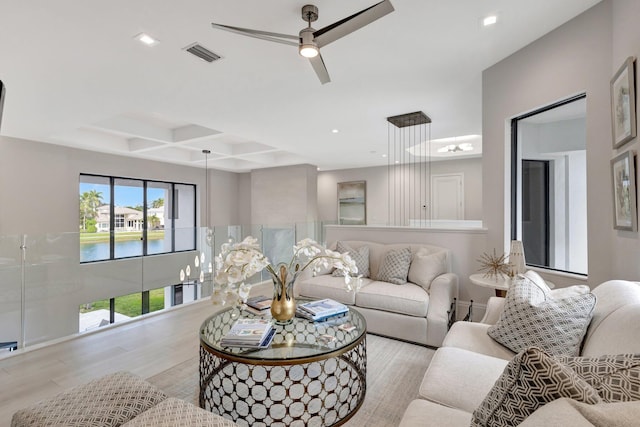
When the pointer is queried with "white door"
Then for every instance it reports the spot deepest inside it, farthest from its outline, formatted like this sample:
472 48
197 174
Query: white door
447 193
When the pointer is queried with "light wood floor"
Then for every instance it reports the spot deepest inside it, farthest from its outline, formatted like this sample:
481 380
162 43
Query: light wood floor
170 338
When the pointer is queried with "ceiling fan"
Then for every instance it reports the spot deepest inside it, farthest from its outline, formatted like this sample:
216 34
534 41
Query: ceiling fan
309 41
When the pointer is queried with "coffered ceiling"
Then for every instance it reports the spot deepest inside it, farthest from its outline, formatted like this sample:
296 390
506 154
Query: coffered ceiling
76 76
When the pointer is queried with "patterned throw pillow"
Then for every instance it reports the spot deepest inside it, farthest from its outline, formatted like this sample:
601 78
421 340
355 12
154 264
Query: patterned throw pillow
360 256
395 266
616 378
532 317
530 379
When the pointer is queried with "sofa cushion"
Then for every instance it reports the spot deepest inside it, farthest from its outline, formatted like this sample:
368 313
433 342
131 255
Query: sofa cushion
569 413
473 337
426 266
395 266
108 401
616 378
460 378
618 304
532 317
560 412
421 413
176 413
360 256
531 379
409 299
327 286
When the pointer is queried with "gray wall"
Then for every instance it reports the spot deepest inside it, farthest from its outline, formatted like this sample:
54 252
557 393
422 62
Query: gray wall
574 58
39 184
377 189
284 195
624 245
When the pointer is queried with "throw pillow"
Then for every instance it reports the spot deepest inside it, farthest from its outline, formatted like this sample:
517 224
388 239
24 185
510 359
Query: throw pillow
360 257
616 378
427 266
395 266
530 379
533 318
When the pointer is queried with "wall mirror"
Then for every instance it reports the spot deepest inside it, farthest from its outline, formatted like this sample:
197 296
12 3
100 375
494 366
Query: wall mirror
549 185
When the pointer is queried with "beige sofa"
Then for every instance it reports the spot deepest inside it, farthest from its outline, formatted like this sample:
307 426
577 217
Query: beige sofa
413 312
464 370
118 399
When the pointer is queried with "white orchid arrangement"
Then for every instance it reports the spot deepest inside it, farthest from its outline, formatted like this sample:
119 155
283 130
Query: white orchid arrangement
239 261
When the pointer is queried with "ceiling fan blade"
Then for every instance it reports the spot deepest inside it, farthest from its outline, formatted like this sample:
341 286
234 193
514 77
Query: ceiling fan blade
339 29
321 70
263 35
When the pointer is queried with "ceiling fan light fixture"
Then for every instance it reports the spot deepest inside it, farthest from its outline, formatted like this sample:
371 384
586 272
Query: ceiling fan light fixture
308 51
308 47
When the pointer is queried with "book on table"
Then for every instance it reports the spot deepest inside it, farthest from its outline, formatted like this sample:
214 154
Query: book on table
321 309
250 333
259 302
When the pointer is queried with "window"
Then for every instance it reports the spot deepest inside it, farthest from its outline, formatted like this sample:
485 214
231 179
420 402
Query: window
121 217
549 185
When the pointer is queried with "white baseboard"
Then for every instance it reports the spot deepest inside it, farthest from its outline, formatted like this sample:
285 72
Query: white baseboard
477 312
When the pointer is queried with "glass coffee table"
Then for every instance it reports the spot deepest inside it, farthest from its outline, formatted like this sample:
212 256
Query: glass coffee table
313 373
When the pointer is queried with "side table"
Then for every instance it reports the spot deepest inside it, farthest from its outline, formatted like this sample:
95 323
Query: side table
500 284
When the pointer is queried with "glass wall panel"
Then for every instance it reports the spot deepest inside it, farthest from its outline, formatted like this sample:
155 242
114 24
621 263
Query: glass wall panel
95 218
128 213
159 237
184 216
10 289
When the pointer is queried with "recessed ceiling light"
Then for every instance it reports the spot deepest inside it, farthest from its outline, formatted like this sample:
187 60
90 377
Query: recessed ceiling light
384 155
489 20
335 131
146 39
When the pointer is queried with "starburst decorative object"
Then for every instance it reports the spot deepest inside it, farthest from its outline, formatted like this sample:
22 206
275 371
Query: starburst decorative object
493 265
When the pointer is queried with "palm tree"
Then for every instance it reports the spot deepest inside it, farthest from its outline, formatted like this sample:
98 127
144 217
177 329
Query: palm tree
89 202
157 203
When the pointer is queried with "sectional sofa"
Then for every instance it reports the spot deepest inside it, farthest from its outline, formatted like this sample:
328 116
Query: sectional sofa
469 364
416 308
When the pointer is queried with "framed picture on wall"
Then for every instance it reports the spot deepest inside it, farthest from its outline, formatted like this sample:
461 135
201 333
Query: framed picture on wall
623 104
352 206
623 172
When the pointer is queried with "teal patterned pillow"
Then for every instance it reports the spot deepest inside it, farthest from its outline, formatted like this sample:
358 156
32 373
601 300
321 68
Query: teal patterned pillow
360 257
395 266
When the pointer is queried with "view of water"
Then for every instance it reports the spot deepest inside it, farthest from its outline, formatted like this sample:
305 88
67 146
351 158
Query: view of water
100 250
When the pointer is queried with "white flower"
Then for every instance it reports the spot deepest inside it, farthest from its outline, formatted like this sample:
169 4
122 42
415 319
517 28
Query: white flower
239 261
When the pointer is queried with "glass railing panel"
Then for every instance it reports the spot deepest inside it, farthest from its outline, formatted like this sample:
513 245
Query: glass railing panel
53 288
277 242
10 292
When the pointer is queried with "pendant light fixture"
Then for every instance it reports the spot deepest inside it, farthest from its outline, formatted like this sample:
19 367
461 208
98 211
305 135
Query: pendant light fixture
408 169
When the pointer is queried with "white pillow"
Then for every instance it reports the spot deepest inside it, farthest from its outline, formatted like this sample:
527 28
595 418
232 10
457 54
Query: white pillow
427 266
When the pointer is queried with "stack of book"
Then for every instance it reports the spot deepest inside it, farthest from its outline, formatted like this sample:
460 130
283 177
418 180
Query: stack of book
259 305
320 310
249 333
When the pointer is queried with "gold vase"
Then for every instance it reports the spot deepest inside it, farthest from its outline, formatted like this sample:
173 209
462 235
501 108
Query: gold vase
283 305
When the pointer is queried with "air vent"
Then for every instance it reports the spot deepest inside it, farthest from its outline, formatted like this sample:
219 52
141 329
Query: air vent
202 52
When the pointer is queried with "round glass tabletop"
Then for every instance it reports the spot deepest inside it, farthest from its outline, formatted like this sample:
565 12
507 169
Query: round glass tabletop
299 341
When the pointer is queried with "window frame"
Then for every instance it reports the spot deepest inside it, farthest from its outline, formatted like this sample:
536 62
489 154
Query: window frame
171 220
